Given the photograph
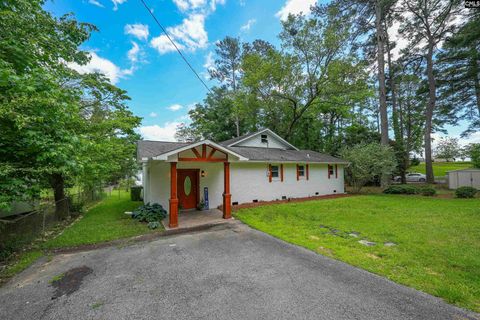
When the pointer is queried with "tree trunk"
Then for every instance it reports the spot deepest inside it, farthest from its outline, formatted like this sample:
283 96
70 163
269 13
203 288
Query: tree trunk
382 96
397 130
432 96
476 77
61 203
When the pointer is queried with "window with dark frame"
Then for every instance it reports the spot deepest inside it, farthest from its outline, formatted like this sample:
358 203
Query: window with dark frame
301 171
331 172
275 172
264 138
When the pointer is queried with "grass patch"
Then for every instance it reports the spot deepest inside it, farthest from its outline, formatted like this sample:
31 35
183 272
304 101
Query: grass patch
437 240
104 222
58 277
440 168
23 261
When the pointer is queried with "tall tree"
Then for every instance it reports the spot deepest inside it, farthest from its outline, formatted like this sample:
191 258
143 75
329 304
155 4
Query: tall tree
459 64
428 24
227 70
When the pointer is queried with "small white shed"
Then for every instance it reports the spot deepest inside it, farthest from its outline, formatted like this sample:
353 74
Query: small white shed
464 178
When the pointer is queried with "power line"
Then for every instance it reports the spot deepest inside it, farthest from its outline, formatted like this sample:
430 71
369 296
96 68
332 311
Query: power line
178 50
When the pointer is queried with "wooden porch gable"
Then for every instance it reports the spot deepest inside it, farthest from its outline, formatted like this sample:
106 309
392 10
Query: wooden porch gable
203 153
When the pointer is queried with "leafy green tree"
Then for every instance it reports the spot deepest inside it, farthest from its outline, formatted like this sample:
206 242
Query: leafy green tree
474 153
58 127
367 163
448 149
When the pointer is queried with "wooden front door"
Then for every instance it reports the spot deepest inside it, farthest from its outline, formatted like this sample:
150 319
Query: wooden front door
188 188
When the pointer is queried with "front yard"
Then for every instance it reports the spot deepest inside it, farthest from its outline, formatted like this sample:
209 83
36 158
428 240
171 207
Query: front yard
435 241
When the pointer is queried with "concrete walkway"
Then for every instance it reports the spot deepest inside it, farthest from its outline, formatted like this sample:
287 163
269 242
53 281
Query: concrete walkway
195 218
228 272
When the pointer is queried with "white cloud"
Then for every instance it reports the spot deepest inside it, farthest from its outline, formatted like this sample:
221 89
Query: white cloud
163 45
116 3
189 35
137 30
96 3
248 25
213 4
185 5
295 7
133 53
156 132
175 107
101 65
153 114
209 61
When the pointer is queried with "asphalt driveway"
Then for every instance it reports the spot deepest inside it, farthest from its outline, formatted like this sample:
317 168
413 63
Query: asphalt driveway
228 272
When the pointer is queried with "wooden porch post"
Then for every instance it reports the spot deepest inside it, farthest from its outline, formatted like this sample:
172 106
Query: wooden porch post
173 201
227 197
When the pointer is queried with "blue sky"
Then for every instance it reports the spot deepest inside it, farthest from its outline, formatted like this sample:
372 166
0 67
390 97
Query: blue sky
130 49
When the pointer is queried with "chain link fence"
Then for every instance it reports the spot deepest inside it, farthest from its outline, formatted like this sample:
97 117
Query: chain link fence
21 229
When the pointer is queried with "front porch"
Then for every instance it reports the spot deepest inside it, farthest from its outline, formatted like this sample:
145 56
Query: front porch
194 168
196 218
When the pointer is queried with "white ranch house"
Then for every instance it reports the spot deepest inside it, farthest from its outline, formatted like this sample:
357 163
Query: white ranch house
260 166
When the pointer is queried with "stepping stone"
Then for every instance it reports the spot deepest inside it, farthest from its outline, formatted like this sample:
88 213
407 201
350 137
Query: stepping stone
353 234
389 244
367 243
314 238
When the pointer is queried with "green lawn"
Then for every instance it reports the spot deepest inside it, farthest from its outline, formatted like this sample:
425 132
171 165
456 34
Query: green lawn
440 168
438 240
104 222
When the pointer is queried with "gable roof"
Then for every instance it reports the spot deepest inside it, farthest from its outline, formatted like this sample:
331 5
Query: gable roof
184 147
160 150
235 141
280 155
147 149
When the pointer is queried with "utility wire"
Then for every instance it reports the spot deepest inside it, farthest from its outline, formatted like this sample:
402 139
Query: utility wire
178 50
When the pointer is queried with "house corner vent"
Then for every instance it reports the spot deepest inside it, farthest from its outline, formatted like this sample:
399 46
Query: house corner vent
316 193
235 203
255 200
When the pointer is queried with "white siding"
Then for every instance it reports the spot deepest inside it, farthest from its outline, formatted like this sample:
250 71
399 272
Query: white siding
256 141
248 182
160 178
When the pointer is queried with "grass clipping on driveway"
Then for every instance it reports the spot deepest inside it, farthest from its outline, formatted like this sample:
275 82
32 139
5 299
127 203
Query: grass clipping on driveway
437 240
104 222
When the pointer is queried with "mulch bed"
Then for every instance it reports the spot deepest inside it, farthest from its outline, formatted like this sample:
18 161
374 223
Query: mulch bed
267 203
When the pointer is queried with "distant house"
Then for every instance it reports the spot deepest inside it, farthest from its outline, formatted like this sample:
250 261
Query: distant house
260 166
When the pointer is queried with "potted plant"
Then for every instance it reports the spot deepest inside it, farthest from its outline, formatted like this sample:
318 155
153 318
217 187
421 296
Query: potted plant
201 205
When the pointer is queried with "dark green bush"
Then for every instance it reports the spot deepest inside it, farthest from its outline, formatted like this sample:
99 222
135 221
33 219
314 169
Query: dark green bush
410 189
151 213
466 192
400 189
136 193
414 162
427 191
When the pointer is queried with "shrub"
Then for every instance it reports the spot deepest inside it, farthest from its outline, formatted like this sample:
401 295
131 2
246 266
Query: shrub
414 161
400 189
367 162
427 191
466 192
136 193
151 213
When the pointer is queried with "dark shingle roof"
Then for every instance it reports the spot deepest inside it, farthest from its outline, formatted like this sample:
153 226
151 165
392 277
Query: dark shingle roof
148 149
271 154
233 140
